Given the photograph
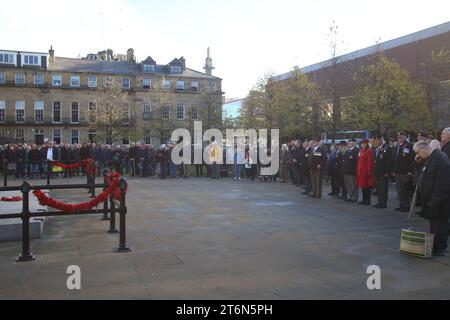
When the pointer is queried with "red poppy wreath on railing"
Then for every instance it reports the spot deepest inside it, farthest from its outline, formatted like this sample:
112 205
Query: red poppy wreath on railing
112 181
90 169
11 199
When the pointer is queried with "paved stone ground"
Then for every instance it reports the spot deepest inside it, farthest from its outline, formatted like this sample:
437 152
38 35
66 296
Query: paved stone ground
207 239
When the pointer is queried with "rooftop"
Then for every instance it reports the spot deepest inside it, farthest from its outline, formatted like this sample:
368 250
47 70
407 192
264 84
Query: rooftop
410 38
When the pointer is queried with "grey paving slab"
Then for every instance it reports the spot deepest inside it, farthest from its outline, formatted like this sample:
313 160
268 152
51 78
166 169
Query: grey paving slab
226 239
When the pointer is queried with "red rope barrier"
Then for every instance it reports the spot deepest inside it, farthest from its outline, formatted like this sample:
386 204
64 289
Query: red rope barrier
112 181
86 163
11 199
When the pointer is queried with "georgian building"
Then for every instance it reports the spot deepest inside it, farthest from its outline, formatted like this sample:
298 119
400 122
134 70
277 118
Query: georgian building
48 98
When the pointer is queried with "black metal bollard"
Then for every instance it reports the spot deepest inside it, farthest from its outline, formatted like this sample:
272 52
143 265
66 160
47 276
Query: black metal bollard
92 174
112 219
122 212
26 255
5 172
49 169
105 204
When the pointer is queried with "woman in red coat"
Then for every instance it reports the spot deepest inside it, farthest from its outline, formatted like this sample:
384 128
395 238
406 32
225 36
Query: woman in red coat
364 173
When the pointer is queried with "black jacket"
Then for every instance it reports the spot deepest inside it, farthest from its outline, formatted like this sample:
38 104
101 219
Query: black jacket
403 159
350 162
34 156
317 157
56 153
434 187
382 161
446 149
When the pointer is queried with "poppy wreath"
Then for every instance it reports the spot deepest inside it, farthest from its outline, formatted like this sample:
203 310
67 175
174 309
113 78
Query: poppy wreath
112 181
86 163
11 199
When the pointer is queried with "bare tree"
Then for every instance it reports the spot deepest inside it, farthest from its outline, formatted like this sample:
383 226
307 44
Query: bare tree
113 118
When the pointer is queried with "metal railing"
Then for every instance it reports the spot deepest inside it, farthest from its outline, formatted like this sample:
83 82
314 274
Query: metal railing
109 207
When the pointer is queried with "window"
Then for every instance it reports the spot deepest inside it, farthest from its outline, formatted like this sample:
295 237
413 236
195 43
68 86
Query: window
57 137
92 135
75 81
194 86
74 112
194 114
126 115
7 58
167 84
180 112
180 85
31 60
75 136
20 111
2 77
108 81
57 80
147 136
146 83
2 110
39 111
175 69
212 86
92 82
165 112
39 79
56 112
20 134
20 78
92 108
149 67
126 83
147 111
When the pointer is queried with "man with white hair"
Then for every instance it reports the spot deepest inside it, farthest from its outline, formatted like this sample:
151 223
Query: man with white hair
445 141
433 187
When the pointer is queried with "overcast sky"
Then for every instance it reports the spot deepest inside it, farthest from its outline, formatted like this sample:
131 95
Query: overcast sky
247 37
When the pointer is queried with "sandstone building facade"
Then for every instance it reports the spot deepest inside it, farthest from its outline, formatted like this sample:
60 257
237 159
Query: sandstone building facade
48 98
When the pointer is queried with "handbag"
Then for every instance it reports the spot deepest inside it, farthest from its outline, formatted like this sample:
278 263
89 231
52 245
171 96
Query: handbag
415 243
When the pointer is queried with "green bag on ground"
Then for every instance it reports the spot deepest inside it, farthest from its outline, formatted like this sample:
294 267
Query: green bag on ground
415 243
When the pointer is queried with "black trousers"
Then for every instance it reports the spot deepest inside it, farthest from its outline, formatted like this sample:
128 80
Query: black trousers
199 170
307 179
440 230
366 193
335 183
382 185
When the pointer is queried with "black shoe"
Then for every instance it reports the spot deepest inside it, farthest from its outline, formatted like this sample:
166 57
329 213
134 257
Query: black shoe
376 205
382 207
404 210
362 203
398 209
439 253
331 193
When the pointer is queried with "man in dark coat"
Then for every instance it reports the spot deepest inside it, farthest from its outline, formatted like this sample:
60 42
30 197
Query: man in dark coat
434 189
445 140
349 167
340 176
304 167
382 168
403 169
317 162
296 160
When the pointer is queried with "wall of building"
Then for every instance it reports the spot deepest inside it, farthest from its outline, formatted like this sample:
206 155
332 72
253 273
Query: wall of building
137 96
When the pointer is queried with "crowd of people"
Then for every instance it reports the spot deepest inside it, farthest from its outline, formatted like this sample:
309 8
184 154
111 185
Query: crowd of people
421 169
356 171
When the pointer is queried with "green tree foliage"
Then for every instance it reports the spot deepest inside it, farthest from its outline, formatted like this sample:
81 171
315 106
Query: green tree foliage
289 105
386 99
